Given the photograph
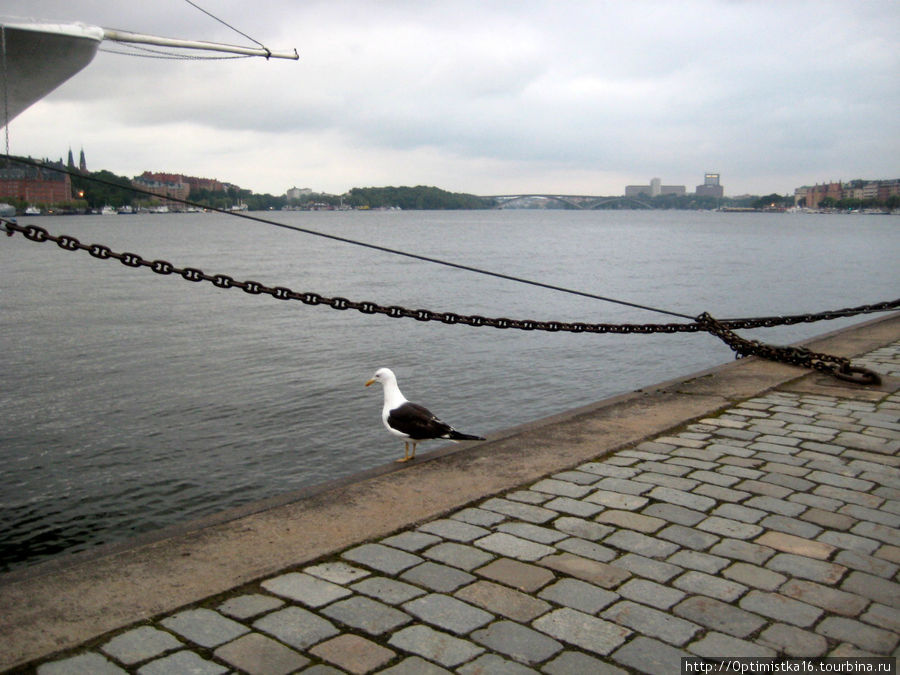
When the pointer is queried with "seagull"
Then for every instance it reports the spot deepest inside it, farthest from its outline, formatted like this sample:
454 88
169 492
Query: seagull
410 421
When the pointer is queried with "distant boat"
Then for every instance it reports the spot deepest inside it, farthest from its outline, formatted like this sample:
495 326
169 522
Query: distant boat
240 206
32 211
108 211
126 210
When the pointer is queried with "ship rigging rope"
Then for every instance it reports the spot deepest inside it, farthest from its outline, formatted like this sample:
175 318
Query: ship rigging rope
838 366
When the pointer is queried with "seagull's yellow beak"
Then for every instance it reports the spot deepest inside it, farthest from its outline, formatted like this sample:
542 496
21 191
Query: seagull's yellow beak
370 382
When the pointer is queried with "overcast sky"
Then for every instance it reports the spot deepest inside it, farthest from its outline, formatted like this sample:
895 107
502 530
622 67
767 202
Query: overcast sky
488 97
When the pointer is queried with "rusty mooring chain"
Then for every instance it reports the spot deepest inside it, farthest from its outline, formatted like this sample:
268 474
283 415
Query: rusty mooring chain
837 366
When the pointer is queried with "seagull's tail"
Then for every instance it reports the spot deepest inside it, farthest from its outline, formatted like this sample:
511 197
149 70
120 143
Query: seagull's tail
454 435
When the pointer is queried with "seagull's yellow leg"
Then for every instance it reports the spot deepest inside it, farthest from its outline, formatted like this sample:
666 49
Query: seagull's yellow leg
413 455
406 456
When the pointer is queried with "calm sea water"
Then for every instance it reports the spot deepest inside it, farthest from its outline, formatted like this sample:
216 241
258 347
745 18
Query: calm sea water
133 401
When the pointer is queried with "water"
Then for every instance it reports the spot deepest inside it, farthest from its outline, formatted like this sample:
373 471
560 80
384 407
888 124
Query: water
133 401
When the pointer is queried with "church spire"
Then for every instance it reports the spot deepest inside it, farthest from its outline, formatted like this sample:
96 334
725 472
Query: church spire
71 163
82 164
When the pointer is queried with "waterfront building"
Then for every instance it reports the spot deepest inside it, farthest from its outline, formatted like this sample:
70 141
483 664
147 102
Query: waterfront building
655 189
711 186
35 185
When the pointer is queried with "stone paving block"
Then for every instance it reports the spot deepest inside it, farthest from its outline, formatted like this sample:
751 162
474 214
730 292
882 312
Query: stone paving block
873 587
444 611
503 600
514 547
648 568
849 541
617 500
739 512
480 517
256 654
525 577
696 560
520 642
781 608
409 541
296 627
204 627
688 537
592 571
719 616
721 494
652 622
888 535
645 655
579 477
578 595
807 568
826 597
576 663
387 590
848 496
437 577
561 488
369 616
337 572
575 507
622 485
434 645
582 630
732 529
790 482
304 588
700 583
798 528
742 550
412 665
630 520
674 482
382 558
674 514
650 593
635 542
681 498
716 645
866 563
890 553
774 505
607 468
536 533
527 512
455 530
587 549
754 575
762 489
353 653
250 605
527 497
581 528
182 662
883 616
140 644
862 635
793 641
83 664
788 543
458 555
493 664
871 515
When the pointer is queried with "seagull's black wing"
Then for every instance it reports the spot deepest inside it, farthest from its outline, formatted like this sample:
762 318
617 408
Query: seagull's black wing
417 422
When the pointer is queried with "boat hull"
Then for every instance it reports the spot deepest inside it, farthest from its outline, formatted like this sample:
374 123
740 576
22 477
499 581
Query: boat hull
40 57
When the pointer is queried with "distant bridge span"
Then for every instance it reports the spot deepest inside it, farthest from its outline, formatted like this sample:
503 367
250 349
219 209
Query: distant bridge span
583 202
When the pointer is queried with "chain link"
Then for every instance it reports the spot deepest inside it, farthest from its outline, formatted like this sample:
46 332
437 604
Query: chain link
723 329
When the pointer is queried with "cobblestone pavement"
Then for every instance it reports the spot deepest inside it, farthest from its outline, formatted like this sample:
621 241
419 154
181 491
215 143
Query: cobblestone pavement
771 529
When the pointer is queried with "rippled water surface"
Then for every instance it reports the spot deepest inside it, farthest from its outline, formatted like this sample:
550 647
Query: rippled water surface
133 401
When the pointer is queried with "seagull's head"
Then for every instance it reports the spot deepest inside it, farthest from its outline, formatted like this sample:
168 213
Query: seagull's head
382 375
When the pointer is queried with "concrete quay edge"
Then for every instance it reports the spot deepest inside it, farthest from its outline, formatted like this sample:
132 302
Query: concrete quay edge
60 605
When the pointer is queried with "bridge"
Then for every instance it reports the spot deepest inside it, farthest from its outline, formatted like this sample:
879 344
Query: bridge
583 202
